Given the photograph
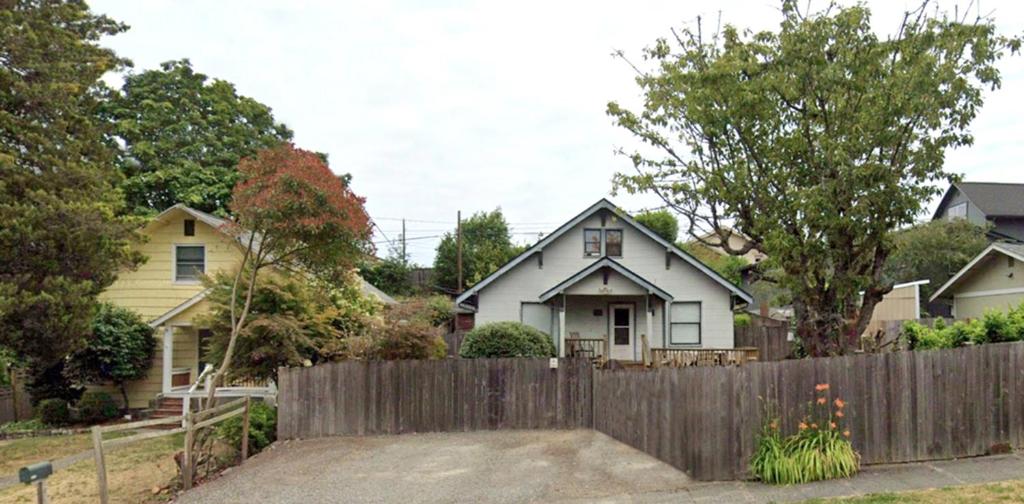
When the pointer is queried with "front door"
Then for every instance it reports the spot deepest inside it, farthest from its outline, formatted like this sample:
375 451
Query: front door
620 320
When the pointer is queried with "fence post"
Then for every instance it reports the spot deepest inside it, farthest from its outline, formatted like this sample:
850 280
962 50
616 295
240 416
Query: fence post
245 430
186 460
101 466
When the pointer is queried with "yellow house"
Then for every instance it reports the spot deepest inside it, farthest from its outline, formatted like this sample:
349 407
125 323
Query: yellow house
183 244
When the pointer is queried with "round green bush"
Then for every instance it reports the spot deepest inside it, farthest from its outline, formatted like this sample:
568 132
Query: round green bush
262 428
506 339
96 407
54 412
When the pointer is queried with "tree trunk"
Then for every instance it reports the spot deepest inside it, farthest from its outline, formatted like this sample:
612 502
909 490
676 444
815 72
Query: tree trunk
124 394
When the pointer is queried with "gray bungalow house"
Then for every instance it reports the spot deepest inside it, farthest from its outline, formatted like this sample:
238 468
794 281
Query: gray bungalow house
998 204
602 275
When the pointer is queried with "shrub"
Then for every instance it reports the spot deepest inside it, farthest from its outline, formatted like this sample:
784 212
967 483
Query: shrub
409 339
96 407
819 450
741 320
262 428
54 412
440 310
506 339
119 350
33 424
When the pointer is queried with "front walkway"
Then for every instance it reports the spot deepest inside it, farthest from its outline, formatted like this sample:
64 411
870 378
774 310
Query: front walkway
532 466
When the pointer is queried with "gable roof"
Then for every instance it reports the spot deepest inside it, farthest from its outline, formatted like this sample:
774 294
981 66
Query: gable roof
1010 249
996 199
604 204
188 303
605 262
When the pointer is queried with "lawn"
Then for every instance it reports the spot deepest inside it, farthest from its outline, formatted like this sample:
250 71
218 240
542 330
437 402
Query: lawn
1008 491
132 471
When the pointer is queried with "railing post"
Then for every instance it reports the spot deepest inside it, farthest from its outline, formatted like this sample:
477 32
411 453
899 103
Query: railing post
101 466
186 459
245 430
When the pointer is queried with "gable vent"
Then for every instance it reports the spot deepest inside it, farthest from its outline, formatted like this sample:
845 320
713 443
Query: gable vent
190 227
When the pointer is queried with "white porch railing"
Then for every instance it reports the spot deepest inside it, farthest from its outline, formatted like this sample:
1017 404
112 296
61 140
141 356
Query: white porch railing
238 388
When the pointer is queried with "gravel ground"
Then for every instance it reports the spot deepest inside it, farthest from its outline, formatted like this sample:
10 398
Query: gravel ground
498 466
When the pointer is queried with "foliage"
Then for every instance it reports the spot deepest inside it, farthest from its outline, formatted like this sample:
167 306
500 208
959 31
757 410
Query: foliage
262 428
662 222
95 407
815 141
120 349
183 136
506 339
7 362
292 322
729 266
819 450
741 320
50 382
994 327
291 213
409 339
54 412
32 424
390 275
486 246
62 241
440 310
934 251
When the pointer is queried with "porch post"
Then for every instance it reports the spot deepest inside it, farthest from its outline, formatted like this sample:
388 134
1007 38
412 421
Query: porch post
650 324
561 328
168 354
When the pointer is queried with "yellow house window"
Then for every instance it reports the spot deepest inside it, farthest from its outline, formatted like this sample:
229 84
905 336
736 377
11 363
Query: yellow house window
189 262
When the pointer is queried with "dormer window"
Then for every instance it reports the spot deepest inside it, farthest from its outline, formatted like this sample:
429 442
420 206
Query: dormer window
613 242
189 263
591 242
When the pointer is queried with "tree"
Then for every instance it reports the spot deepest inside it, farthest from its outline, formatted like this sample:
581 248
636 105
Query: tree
729 266
62 240
293 214
933 251
815 141
662 222
183 136
486 246
120 350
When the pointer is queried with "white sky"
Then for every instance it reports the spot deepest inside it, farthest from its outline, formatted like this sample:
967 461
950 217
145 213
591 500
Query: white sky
446 105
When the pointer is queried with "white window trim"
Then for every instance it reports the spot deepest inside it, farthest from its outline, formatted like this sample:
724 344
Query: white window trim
700 324
174 263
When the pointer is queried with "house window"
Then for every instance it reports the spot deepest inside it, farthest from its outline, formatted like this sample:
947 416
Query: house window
190 227
958 211
613 242
591 242
685 328
189 262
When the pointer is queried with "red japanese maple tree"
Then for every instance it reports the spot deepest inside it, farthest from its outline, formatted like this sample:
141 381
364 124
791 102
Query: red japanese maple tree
292 213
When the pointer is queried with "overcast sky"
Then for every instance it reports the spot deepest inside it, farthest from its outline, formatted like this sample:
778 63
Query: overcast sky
439 106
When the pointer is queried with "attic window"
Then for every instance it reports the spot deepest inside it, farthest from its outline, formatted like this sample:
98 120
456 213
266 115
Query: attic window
190 227
591 242
189 263
958 211
613 242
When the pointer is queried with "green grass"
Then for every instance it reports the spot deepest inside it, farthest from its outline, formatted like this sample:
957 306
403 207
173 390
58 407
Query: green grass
989 493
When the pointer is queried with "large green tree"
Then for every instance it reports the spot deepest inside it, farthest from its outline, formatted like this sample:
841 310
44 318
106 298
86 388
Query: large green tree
816 141
61 241
183 134
662 222
486 245
934 251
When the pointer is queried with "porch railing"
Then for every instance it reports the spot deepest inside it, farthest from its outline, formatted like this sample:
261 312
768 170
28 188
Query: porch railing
678 357
590 348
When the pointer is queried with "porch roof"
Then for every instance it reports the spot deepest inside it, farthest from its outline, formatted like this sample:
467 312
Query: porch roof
605 262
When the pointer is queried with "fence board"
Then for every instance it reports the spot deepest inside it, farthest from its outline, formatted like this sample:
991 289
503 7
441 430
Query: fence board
356 398
902 407
771 341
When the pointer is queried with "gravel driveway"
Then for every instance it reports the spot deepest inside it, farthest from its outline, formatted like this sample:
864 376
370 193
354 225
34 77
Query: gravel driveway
495 466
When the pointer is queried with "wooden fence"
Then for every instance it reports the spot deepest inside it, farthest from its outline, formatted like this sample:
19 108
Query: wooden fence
393 397
901 407
771 341
679 357
14 401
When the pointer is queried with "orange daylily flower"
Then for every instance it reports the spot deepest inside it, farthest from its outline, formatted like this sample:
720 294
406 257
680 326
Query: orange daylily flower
802 426
814 426
773 426
833 424
846 433
839 403
839 414
821 400
821 387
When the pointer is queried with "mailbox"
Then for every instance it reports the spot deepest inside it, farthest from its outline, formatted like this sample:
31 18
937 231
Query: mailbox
35 472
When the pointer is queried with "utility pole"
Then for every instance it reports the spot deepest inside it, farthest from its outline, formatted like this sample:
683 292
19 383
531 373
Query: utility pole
404 257
458 247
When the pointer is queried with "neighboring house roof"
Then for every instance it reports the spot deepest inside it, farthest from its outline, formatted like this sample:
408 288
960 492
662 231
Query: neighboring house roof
369 290
995 199
605 262
604 204
1010 249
